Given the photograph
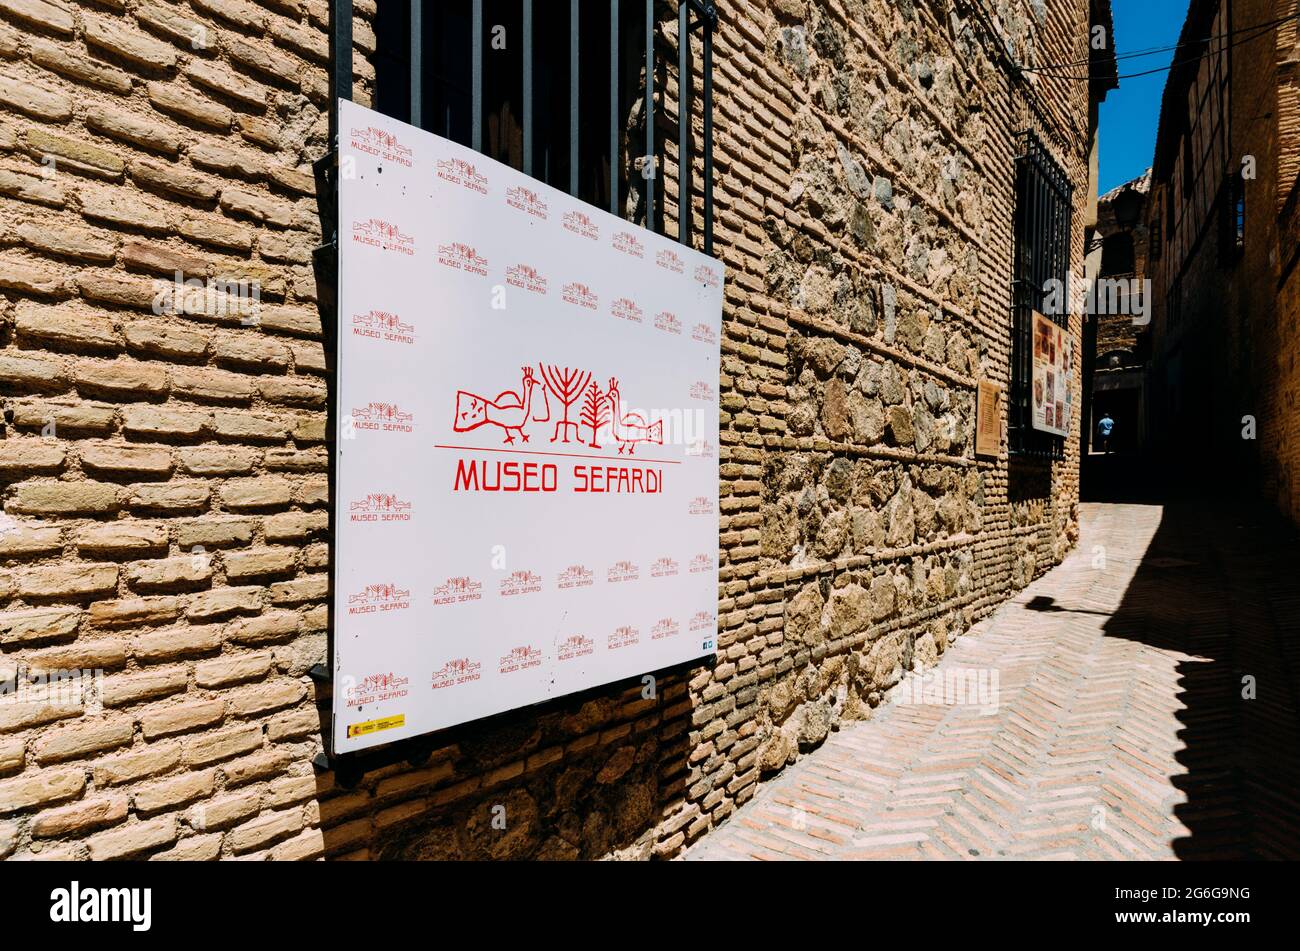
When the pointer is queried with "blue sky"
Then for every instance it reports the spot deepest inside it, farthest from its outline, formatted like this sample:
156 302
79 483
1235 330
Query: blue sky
1130 113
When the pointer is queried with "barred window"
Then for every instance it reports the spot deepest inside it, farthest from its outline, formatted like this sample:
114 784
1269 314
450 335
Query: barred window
1156 238
1232 221
1039 283
559 91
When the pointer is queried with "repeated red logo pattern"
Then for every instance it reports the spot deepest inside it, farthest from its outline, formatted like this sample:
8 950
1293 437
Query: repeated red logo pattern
707 276
379 598
665 627
704 334
701 449
625 636
575 576
527 277
520 582
525 199
629 244
580 294
380 507
381 325
459 172
520 658
663 568
626 309
670 260
378 416
378 233
667 321
377 688
623 571
458 590
462 257
580 223
704 621
381 144
461 670
575 646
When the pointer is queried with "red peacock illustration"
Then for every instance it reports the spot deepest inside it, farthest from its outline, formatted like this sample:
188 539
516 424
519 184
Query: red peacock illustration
509 410
631 428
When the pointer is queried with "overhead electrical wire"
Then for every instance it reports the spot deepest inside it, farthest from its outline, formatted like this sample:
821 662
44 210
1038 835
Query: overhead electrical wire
1152 51
999 50
1255 33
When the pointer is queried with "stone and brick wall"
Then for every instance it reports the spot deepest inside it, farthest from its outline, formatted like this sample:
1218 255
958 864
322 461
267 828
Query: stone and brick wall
163 464
1275 326
1117 330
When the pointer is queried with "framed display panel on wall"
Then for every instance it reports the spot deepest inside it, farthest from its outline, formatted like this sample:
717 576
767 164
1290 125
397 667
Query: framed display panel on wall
526 455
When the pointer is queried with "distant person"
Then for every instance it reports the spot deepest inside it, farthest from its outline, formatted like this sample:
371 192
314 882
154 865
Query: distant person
1105 426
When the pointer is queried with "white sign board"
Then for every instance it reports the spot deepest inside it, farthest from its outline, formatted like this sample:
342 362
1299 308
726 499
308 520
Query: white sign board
527 456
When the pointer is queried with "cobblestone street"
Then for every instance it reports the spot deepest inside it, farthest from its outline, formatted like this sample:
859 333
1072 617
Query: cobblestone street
1121 731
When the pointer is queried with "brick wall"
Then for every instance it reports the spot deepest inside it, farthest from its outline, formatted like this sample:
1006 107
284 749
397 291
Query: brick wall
1274 312
1284 457
1117 331
163 473
1227 354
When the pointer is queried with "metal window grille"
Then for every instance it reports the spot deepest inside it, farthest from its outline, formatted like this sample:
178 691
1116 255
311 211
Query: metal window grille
1239 214
576 94
1156 234
1232 239
1041 274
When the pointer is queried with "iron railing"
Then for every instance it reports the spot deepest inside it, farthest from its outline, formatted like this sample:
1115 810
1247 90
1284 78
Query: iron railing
695 17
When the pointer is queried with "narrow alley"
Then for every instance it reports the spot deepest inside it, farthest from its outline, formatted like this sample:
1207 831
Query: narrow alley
648 430
1121 728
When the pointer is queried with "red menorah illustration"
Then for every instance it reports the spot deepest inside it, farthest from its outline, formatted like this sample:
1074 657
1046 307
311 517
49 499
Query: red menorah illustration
565 383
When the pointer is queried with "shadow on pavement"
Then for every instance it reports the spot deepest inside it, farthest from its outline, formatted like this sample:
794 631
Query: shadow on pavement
1220 586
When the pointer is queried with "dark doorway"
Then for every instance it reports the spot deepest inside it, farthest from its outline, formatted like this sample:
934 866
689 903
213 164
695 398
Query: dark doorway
1123 407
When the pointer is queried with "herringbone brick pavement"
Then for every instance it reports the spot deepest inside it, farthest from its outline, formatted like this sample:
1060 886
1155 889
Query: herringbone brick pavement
1125 724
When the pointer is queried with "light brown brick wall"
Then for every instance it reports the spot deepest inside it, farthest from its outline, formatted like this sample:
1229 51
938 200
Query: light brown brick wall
1118 331
864 197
